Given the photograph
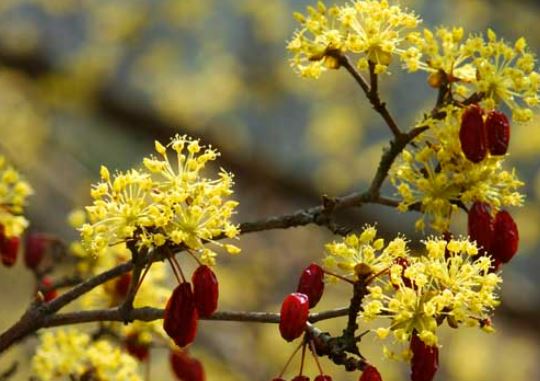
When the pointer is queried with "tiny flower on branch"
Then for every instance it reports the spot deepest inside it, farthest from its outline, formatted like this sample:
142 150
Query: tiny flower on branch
372 30
163 203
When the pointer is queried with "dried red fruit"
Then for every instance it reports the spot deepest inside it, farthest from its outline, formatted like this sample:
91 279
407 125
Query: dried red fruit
49 294
205 290
498 132
180 318
136 347
311 283
425 360
278 379
294 315
301 378
34 249
9 248
185 367
121 286
323 377
506 237
472 134
370 374
480 225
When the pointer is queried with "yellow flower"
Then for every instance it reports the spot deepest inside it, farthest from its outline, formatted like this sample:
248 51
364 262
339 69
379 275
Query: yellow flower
69 353
454 285
373 30
436 174
476 64
163 203
13 194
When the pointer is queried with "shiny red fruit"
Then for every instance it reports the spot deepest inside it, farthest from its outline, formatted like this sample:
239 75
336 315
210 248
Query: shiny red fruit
370 374
311 283
34 249
181 317
498 132
136 348
425 360
121 286
46 283
506 237
9 248
472 134
480 225
205 290
294 316
301 378
323 377
186 368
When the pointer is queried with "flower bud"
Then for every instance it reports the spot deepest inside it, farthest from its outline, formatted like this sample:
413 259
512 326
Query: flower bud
136 347
34 249
480 225
186 368
498 132
9 248
294 315
370 374
472 134
205 290
425 360
49 294
180 317
311 283
506 237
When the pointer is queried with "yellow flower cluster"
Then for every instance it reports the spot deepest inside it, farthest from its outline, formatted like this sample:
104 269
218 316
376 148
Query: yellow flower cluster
13 194
68 354
351 255
372 29
436 175
448 282
163 203
478 65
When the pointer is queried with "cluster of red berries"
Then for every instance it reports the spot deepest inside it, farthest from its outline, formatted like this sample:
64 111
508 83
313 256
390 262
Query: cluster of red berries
497 236
478 137
184 308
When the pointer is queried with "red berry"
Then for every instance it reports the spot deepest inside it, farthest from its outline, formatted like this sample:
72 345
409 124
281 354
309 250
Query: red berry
425 360
370 374
9 248
481 225
311 283
323 377
472 134
136 348
506 237
180 318
294 316
34 249
301 378
121 286
50 294
186 368
498 132
205 290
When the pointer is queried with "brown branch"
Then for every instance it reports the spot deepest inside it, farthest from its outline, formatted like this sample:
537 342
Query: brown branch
150 314
371 90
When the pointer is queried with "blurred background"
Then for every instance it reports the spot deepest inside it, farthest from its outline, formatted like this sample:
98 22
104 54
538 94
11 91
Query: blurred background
85 83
